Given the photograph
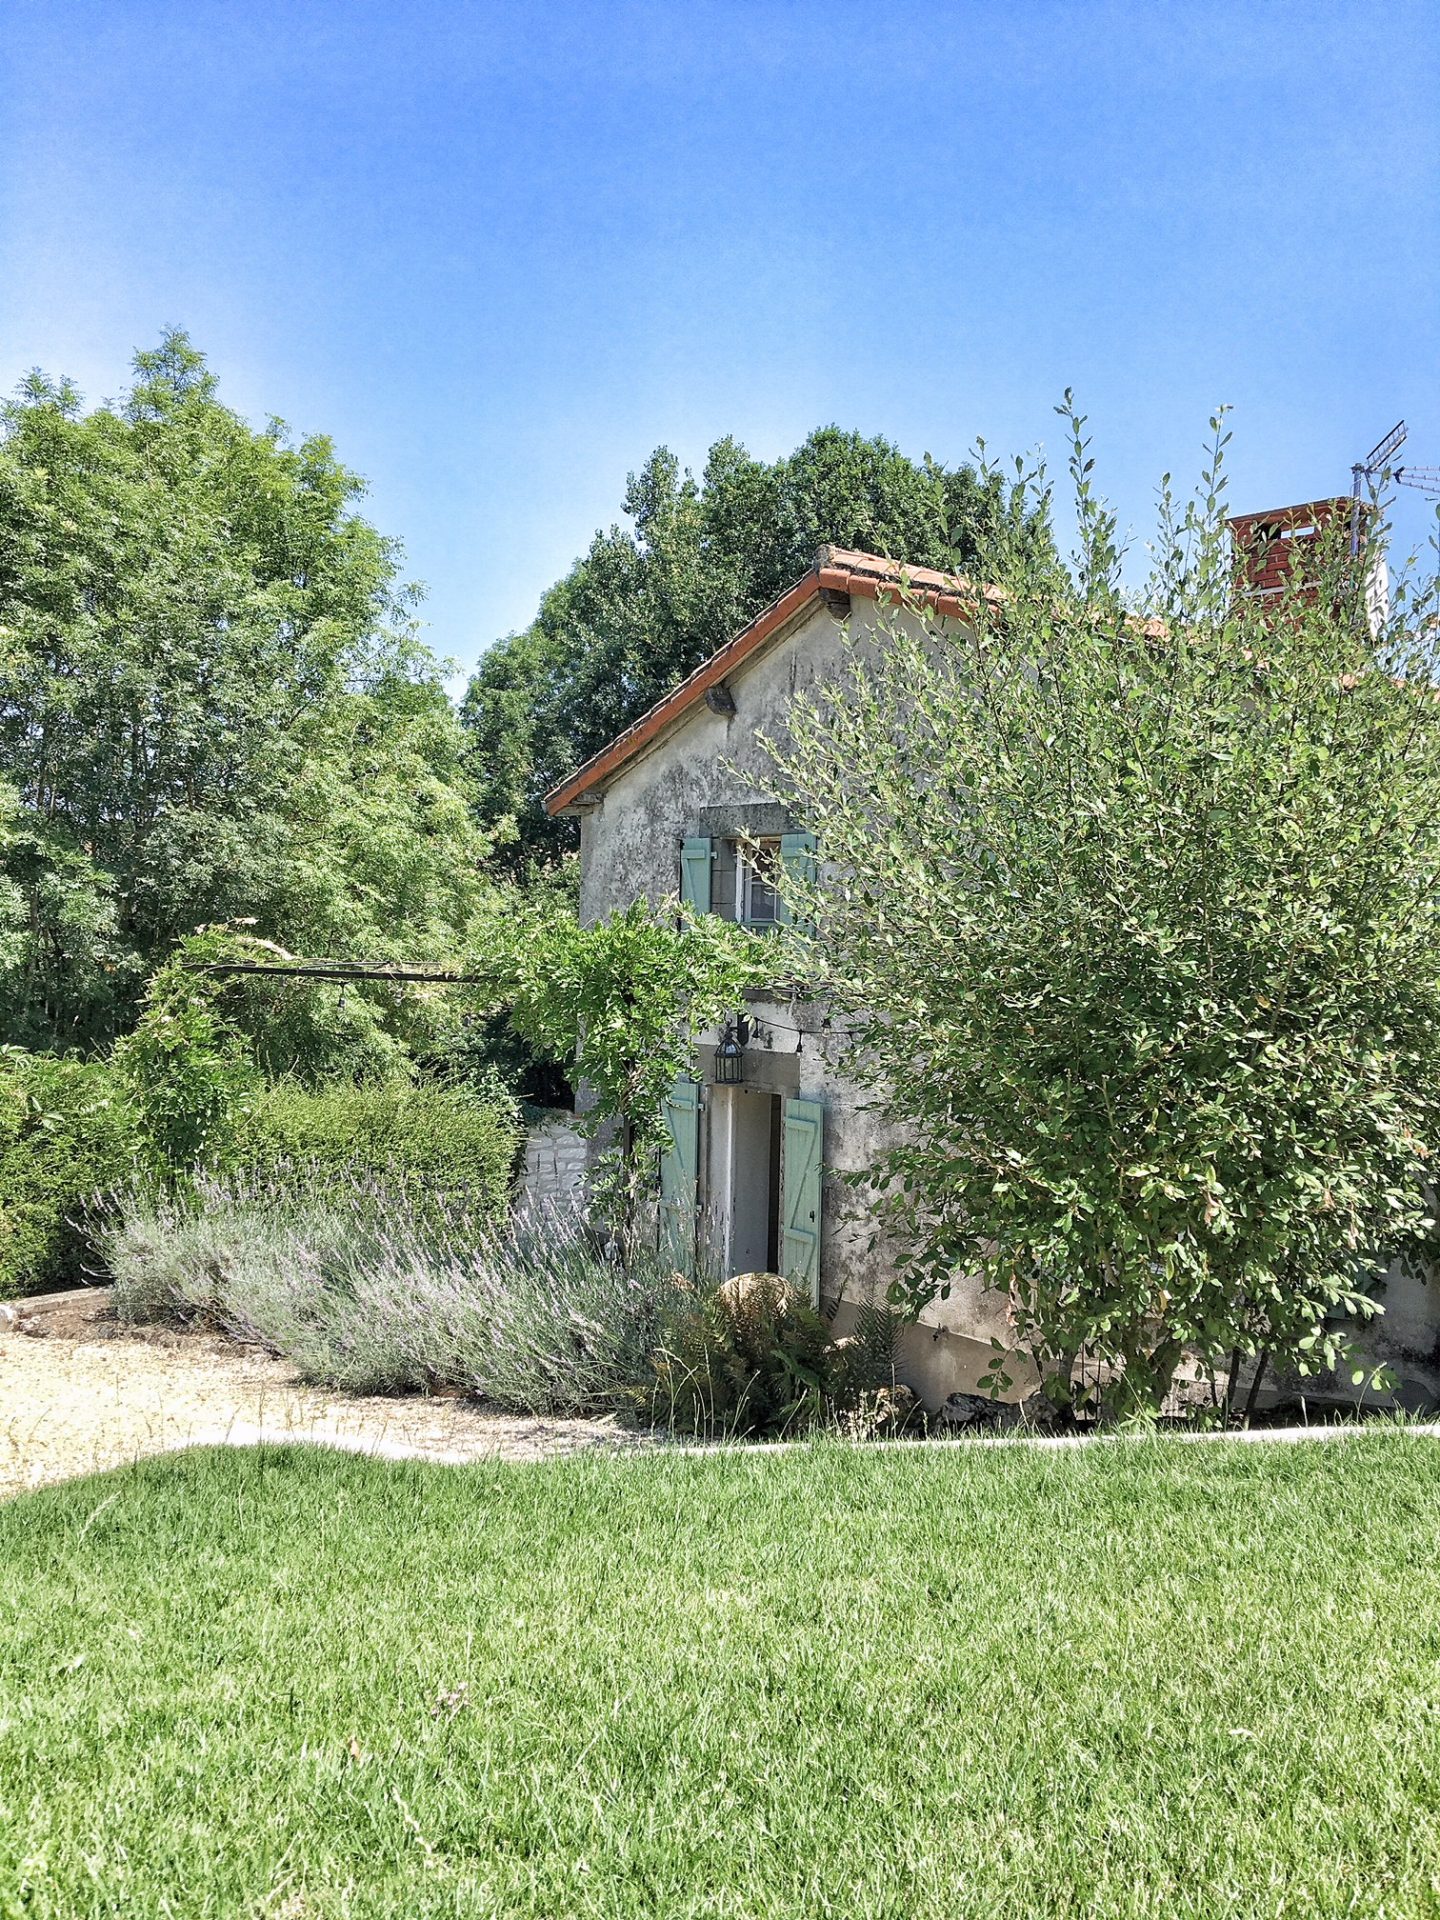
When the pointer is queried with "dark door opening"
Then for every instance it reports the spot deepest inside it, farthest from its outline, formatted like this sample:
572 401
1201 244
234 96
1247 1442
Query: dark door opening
746 1146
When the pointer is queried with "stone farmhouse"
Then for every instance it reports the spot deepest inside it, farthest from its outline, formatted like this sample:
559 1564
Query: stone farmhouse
683 802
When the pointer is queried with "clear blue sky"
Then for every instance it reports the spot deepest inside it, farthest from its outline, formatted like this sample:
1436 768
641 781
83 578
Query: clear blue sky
500 251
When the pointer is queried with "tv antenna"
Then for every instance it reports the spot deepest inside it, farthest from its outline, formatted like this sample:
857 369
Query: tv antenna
1366 469
1423 479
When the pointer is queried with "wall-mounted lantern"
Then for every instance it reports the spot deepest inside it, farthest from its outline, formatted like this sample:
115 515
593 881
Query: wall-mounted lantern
729 1059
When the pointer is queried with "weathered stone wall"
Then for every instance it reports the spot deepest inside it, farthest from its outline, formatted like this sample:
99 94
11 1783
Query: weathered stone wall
555 1161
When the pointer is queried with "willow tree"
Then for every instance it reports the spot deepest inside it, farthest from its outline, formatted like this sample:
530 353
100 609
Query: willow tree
1131 910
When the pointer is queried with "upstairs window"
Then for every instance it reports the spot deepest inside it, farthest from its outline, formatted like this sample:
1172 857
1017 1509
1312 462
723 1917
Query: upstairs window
738 878
757 903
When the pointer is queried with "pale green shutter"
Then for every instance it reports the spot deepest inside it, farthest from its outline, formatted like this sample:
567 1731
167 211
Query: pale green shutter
680 1175
800 1222
695 874
798 858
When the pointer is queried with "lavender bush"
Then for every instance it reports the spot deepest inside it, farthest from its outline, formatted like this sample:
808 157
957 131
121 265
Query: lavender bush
366 1285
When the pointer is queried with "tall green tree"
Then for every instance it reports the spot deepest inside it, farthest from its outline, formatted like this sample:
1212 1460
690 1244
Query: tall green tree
212 705
12 899
650 601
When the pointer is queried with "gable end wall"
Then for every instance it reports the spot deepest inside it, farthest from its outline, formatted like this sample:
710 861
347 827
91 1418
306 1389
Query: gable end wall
710 775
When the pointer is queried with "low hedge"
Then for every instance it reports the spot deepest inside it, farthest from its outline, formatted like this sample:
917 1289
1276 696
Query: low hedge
66 1134
451 1139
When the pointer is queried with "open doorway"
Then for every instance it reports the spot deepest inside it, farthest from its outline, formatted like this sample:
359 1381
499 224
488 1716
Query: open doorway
746 1129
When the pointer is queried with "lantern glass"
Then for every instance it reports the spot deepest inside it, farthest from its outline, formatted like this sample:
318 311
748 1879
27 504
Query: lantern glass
729 1060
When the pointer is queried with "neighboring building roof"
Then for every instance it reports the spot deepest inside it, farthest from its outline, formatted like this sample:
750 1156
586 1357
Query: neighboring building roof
837 570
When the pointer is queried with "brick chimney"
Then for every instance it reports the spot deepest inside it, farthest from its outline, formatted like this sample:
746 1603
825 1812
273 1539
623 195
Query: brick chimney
1266 544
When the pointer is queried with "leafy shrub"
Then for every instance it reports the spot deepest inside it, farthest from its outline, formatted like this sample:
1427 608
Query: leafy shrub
370 1284
455 1142
1130 919
66 1133
753 1356
185 1070
200 1097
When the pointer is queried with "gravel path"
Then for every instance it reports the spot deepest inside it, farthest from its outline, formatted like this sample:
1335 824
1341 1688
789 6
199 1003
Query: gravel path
79 1394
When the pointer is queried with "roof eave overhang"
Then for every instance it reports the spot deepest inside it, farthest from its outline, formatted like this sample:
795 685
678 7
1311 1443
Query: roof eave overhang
586 786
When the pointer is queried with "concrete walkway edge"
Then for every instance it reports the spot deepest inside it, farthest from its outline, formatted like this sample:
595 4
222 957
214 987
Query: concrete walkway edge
244 1434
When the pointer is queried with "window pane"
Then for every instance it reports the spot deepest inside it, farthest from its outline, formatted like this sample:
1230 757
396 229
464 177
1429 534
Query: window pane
762 899
762 905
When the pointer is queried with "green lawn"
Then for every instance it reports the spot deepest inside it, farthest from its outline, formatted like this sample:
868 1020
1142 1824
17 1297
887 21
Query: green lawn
1144 1678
